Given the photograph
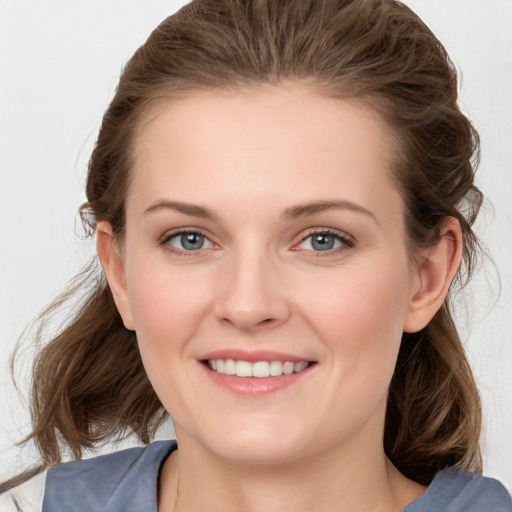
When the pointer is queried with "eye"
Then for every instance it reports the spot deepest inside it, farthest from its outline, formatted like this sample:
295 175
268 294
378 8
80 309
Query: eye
322 241
187 241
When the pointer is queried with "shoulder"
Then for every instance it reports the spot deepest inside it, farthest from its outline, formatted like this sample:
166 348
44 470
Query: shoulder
460 491
125 480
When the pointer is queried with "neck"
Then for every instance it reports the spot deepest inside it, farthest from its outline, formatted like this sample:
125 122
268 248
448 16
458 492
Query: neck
195 479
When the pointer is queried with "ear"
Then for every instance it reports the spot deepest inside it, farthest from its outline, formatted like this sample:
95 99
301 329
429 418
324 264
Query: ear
112 262
436 270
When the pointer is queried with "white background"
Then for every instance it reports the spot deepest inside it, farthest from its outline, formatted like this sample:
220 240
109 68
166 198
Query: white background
59 64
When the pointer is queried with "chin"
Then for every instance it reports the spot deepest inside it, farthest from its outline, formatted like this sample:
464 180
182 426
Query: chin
258 444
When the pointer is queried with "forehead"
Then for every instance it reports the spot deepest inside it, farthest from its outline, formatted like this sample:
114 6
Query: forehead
275 141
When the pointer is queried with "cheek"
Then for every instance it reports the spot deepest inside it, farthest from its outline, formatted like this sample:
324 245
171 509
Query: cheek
166 305
168 308
362 299
360 318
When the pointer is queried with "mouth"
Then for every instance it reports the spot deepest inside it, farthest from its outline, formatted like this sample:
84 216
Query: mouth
258 369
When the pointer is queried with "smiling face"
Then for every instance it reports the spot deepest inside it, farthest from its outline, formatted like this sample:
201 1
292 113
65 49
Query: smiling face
264 237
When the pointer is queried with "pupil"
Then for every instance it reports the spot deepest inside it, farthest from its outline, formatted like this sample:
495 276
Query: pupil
192 241
323 242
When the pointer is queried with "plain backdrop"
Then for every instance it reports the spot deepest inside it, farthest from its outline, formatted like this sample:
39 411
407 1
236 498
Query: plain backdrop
59 64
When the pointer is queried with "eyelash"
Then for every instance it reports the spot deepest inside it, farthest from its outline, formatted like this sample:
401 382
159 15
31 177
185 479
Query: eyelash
164 242
346 241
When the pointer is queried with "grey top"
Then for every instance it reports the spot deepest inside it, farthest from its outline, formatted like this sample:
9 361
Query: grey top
126 481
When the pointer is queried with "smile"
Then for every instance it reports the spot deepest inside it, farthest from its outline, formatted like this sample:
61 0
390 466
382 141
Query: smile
260 369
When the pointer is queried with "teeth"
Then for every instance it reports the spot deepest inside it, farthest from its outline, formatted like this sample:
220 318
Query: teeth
298 367
260 369
288 368
229 367
243 369
276 368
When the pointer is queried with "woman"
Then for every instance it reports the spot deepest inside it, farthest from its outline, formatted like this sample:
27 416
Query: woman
282 195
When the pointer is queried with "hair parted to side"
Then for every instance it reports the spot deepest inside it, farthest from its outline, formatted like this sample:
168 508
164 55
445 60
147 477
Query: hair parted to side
89 384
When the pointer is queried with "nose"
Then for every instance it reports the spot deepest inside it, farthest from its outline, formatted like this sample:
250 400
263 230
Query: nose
251 293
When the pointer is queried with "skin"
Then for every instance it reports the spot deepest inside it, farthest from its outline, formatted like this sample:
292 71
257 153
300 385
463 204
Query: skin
258 283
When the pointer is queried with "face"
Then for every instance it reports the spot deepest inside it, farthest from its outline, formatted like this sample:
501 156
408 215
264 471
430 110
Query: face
264 238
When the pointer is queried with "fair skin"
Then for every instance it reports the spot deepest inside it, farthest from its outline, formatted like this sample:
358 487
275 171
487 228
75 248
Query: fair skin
294 251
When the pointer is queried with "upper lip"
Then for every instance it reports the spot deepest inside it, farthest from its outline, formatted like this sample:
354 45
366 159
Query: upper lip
253 356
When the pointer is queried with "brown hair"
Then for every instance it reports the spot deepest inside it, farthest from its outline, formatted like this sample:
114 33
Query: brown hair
89 385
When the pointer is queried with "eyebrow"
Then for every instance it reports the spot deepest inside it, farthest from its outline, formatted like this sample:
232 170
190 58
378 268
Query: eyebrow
186 208
293 212
306 209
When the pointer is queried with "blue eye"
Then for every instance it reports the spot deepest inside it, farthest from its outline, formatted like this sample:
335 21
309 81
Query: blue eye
324 241
189 241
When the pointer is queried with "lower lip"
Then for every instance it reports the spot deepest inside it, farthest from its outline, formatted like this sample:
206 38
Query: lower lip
255 386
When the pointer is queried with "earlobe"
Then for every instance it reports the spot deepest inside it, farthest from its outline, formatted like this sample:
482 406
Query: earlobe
436 270
113 266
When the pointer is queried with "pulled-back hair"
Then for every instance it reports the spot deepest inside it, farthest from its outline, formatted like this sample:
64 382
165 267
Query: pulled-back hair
89 384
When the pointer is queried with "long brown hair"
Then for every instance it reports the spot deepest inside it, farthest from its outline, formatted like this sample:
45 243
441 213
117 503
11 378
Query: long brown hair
89 384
